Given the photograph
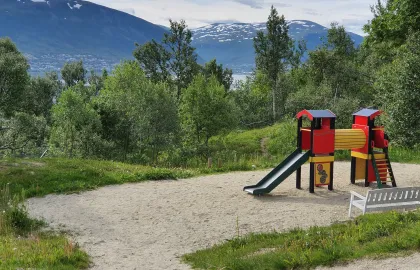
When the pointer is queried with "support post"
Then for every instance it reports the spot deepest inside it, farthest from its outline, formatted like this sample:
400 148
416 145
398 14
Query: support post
312 178
312 165
353 170
299 178
367 173
299 146
331 184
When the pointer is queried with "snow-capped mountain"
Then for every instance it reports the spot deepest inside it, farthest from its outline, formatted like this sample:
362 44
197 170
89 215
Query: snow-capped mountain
232 44
50 32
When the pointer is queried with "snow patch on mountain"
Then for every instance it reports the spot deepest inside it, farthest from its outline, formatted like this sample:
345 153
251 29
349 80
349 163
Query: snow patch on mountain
238 32
76 5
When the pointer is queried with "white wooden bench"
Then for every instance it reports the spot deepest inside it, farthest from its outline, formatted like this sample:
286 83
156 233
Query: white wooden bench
385 199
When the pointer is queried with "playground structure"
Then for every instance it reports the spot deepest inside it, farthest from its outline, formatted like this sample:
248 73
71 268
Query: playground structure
368 144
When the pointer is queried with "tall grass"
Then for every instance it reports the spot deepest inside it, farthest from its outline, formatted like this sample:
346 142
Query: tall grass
369 235
23 245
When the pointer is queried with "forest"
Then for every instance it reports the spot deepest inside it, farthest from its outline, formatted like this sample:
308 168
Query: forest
163 108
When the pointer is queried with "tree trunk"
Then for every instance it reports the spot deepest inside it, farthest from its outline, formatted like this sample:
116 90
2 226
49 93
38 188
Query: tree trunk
273 93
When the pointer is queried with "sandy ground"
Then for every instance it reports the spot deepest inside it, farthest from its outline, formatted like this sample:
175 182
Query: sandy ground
150 225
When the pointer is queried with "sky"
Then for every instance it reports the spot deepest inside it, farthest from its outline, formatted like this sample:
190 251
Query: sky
353 14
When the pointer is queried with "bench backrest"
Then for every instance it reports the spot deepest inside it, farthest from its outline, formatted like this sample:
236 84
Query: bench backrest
393 195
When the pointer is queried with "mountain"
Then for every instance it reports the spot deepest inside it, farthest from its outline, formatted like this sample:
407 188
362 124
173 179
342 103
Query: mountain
50 32
232 44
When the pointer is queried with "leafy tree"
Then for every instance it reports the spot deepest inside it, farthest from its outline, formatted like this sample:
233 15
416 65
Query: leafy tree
13 77
273 51
39 97
393 22
252 97
96 82
339 41
163 124
335 65
399 86
22 134
206 111
76 126
224 76
183 63
154 60
137 115
73 73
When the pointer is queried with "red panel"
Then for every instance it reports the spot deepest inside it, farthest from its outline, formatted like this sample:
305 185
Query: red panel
324 141
365 129
306 140
305 113
326 123
361 120
371 171
379 139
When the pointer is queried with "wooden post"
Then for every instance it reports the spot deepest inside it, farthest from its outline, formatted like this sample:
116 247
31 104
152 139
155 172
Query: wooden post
219 163
209 162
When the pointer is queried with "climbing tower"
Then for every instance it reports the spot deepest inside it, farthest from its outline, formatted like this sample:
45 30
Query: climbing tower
371 162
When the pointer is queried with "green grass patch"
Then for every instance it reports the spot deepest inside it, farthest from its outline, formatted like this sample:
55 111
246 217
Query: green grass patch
369 235
25 246
41 251
266 147
55 175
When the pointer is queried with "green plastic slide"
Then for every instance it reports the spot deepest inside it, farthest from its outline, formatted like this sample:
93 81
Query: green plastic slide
279 174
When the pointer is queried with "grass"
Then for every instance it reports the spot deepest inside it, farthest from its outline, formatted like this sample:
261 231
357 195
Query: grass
266 147
372 235
25 245
55 175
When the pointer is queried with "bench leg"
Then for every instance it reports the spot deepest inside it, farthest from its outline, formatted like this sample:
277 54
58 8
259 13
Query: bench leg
350 210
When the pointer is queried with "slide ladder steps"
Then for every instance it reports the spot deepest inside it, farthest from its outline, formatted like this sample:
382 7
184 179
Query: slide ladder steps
383 170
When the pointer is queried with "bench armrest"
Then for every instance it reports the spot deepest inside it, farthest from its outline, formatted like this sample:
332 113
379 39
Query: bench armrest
355 194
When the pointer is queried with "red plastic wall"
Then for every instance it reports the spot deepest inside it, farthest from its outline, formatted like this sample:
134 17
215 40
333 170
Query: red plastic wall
361 120
324 141
306 140
371 171
365 129
379 139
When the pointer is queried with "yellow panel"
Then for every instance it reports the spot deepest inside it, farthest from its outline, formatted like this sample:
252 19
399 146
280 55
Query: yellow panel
360 168
359 155
322 159
380 156
349 139
322 173
366 156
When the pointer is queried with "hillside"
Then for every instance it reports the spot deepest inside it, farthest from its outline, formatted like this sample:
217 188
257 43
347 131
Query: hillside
51 32
232 44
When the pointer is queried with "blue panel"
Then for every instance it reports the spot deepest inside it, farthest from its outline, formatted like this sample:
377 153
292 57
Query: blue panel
366 112
321 114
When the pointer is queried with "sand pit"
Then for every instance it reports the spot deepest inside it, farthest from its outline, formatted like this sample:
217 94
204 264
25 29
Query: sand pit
149 225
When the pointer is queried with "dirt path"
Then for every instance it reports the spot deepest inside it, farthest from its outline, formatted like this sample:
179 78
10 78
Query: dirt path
149 225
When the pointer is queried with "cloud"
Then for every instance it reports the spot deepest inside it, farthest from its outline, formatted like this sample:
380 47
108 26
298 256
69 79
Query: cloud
131 11
353 14
257 4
